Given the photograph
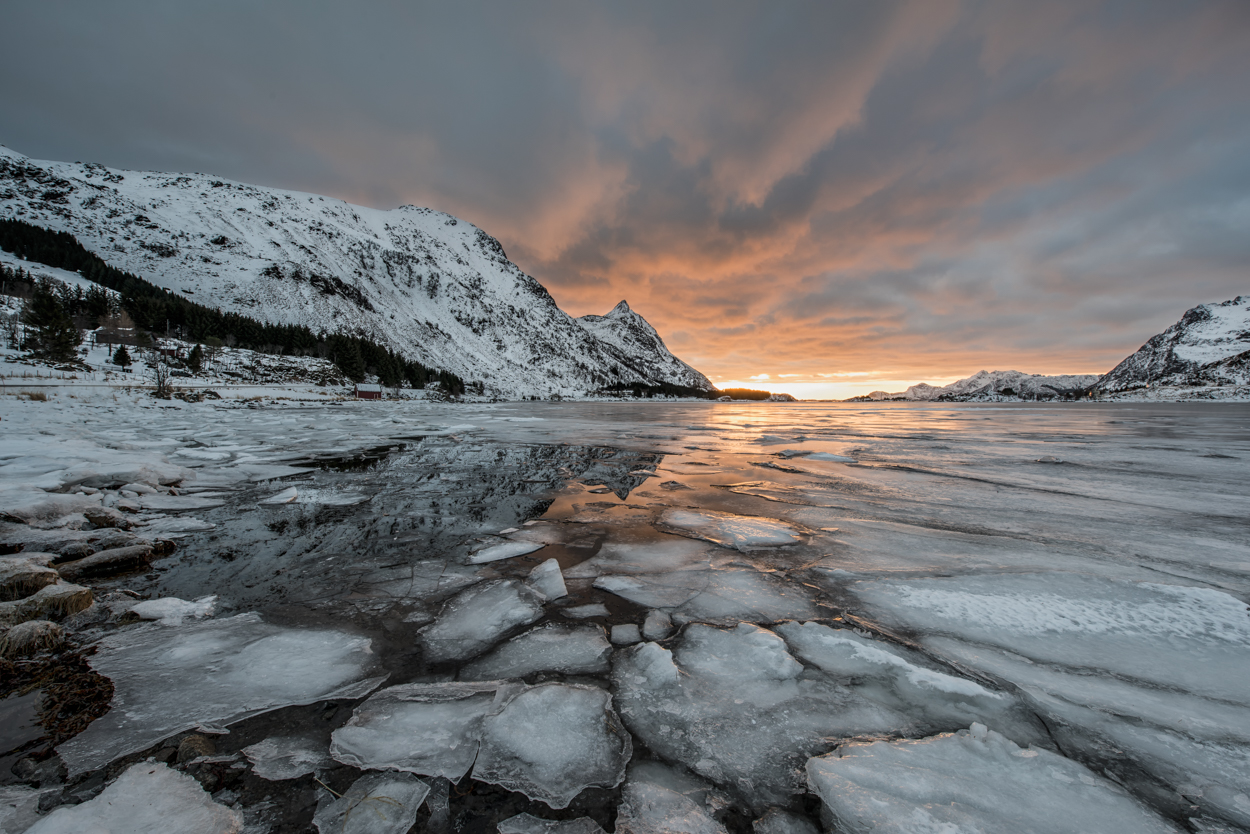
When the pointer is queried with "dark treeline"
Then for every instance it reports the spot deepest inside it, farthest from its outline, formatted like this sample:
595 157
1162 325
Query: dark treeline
744 394
160 311
661 389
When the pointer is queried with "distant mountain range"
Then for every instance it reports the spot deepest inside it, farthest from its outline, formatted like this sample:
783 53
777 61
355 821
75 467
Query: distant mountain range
989 385
432 287
1204 355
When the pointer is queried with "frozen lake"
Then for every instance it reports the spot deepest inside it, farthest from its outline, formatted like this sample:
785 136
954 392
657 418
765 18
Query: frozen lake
687 616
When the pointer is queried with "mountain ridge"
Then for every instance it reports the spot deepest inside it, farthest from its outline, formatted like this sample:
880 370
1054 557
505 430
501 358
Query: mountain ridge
435 288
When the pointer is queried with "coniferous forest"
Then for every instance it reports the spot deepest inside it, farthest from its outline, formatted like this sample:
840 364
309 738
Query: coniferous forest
161 311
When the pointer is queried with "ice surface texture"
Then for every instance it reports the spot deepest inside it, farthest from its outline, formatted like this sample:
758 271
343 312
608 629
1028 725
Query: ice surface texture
475 619
529 824
549 742
212 673
148 798
971 782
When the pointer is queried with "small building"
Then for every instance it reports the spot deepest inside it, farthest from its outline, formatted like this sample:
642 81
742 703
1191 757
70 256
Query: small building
368 392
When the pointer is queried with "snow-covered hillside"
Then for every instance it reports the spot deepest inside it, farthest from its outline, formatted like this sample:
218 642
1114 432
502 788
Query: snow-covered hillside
1210 345
435 288
994 385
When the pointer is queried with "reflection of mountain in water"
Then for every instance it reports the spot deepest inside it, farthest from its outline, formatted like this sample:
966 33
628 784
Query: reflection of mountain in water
423 509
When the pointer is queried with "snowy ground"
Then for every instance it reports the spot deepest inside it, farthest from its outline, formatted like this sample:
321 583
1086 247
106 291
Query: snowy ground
690 617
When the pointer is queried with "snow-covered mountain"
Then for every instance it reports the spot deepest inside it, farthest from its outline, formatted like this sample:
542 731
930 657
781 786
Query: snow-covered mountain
433 287
1210 345
994 385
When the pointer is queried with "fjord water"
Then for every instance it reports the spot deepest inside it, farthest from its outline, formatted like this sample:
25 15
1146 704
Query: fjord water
801 599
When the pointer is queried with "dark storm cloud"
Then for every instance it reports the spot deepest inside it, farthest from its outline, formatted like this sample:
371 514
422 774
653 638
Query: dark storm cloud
920 188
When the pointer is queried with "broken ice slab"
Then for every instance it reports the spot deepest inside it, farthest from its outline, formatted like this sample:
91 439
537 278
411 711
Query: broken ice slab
547 580
1173 693
653 554
549 742
476 618
657 798
428 729
167 680
972 780
569 649
529 824
287 757
625 634
172 611
657 626
583 612
728 530
380 803
553 741
736 707
181 503
725 596
777 821
503 550
148 798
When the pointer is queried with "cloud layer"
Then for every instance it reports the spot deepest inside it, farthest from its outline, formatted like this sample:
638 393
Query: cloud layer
824 191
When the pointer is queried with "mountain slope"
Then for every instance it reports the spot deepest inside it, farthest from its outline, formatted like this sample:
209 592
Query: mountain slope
1210 345
433 287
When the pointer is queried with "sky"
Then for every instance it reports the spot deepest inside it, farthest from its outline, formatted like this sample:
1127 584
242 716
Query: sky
824 198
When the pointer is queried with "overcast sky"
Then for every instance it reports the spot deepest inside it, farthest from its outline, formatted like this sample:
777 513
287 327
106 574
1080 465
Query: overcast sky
867 193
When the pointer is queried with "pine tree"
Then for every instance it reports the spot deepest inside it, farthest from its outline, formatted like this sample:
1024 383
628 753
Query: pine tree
195 360
350 362
55 337
122 356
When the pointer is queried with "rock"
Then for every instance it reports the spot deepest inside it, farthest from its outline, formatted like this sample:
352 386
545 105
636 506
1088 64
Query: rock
109 562
22 576
52 602
108 517
74 550
194 746
31 637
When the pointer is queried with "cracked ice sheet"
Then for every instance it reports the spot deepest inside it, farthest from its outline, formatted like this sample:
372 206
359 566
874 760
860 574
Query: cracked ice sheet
721 595
729 530
971 782
1159 672
550 741
168 679
736 707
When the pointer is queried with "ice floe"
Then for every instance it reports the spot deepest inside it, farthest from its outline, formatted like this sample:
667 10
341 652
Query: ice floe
427 729
738 708
569 649
547 580
553 741
380 803
211 674
550 741
478 617
172 611
972 781
728 530
287 757
148 798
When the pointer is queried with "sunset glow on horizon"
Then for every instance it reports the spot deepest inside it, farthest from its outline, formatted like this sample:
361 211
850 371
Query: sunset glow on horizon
846 197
